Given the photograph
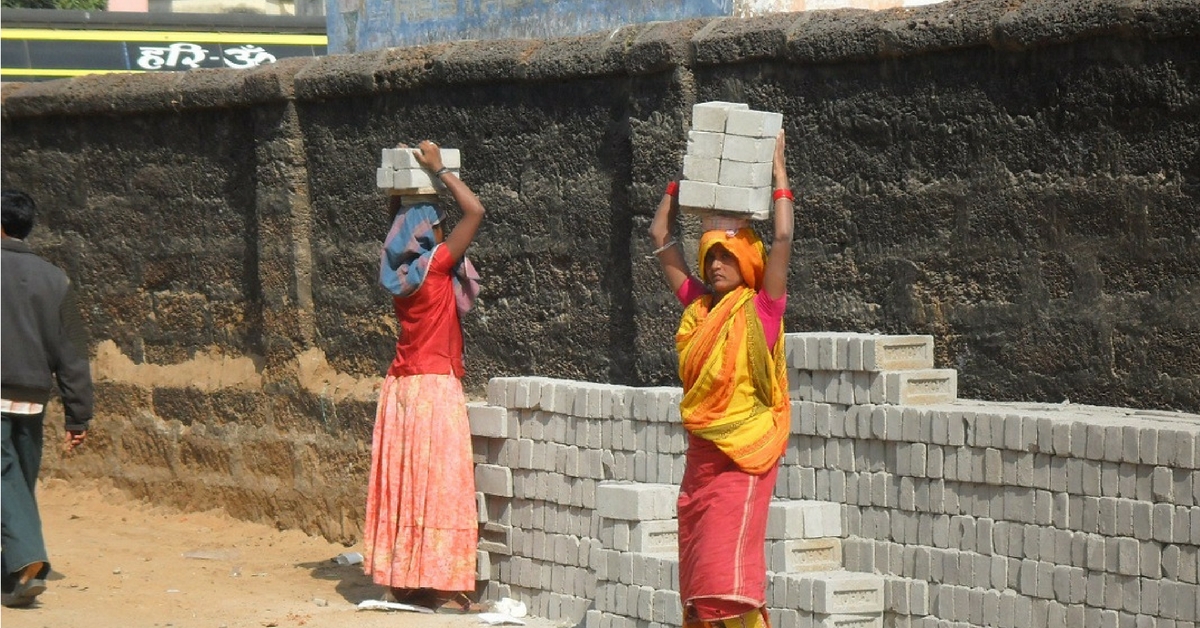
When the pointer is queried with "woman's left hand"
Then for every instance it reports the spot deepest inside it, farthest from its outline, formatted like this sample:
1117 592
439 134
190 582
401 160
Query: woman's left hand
429 155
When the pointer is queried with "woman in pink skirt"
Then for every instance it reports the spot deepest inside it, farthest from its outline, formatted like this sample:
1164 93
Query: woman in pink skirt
422 526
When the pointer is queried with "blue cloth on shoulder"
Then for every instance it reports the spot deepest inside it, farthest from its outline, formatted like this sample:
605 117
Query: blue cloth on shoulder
408 250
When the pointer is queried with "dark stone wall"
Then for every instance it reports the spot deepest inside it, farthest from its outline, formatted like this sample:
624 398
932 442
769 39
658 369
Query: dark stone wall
1019 179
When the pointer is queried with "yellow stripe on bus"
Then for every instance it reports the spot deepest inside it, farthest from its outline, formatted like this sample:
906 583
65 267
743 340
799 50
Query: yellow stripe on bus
45 34
60 72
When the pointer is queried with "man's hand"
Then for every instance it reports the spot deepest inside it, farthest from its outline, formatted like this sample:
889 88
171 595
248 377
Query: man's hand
74 439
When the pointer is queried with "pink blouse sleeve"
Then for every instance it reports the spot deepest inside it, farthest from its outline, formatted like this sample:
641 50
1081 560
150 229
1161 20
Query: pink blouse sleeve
770 312
691 290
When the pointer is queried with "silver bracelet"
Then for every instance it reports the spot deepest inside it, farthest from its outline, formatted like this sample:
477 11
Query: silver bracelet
441 172
664 247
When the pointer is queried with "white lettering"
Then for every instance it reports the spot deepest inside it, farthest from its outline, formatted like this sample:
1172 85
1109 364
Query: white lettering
152 57
247 56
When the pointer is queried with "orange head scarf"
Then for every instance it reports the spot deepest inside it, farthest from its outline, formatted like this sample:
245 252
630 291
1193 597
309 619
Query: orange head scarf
745 245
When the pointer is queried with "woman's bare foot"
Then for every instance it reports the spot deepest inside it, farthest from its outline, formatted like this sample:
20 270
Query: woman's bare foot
451 602
406 596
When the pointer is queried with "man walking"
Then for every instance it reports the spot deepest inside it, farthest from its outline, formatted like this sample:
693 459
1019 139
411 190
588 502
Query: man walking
42 342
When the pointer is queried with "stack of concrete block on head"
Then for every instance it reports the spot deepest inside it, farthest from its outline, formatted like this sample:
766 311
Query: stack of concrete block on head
728 166
401 174
858 368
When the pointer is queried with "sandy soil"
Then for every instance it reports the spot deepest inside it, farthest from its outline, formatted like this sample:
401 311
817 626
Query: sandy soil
123 562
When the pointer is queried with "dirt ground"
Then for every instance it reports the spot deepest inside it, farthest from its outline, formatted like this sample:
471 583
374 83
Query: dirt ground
123 562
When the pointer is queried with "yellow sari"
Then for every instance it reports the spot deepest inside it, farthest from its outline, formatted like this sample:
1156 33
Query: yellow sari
735 389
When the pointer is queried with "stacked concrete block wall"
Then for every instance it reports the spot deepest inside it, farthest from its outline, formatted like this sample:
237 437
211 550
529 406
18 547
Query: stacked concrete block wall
577 485
995 514
936 511
543 448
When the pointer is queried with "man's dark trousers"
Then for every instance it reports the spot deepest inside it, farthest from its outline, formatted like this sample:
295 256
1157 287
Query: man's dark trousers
22 525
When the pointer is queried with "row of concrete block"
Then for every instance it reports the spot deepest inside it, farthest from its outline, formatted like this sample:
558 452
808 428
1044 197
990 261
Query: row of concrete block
730 118
717 159
1064 584
850 351
552 577
902 388
813 595
991 467
536 514
888 474
640 602
963 606
700 197
544 437
619 542
955 537
1113 435
585 399
1068 431
906 496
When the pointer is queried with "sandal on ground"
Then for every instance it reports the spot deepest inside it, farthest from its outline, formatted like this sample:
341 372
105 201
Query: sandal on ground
452 604
24 593
408 596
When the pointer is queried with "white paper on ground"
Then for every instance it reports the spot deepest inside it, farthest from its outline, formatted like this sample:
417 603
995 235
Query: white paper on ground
510 607
380 605
499 619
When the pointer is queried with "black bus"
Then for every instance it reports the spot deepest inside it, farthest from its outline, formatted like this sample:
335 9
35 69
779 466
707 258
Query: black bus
41 44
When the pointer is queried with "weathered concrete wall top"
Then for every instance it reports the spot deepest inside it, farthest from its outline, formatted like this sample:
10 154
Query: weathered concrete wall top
362 25
1018 179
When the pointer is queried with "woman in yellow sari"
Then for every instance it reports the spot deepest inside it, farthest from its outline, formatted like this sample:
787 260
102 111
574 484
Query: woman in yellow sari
735 405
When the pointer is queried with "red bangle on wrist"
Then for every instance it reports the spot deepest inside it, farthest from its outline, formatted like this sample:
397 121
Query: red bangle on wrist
673 189
783 193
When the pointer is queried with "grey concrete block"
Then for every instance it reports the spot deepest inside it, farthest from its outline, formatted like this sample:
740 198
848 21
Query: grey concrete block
494 480
845 592
711 116
803 555
705 144
897 353
636 501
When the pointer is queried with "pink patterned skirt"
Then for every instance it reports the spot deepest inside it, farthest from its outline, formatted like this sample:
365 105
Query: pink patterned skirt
422 525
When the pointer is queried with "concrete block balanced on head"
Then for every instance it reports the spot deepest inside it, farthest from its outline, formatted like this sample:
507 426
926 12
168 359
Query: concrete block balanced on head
728 166
401 174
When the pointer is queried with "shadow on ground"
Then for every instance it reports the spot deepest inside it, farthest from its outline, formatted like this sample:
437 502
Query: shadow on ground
352 584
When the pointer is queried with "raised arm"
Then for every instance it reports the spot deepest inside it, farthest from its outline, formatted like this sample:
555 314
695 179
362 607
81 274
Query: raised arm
430 156
666 249
778 260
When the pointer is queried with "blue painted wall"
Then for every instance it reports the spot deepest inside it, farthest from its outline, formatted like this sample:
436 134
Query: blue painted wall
361 25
